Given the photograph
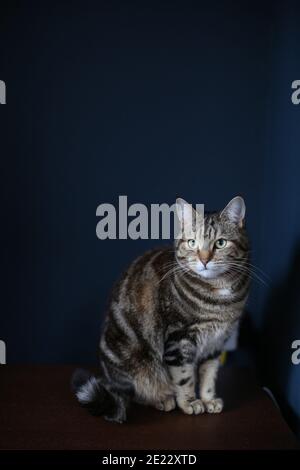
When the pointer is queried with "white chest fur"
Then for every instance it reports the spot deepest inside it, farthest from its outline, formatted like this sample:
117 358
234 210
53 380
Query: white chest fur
210 341
224 292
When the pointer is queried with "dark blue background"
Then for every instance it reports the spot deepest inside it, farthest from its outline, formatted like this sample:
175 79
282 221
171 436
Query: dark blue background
155 102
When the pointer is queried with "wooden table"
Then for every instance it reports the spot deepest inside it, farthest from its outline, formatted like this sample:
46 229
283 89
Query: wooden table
38 411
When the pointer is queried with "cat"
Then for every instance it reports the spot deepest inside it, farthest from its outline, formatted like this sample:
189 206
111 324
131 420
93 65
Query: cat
169 317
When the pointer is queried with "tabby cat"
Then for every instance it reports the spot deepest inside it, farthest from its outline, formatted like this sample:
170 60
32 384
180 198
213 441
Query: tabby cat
169 317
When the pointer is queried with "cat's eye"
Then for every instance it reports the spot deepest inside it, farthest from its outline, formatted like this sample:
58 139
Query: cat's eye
221 243
191 243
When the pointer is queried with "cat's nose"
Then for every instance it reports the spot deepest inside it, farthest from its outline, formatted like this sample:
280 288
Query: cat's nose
205 257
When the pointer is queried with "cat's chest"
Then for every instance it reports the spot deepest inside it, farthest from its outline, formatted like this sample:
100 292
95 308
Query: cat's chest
210 341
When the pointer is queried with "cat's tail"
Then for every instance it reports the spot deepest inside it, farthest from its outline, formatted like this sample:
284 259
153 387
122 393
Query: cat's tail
93 395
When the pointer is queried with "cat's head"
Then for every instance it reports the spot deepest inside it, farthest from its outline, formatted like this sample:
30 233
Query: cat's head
212 244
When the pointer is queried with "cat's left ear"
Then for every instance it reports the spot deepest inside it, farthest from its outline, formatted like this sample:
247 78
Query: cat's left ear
235 211
189 218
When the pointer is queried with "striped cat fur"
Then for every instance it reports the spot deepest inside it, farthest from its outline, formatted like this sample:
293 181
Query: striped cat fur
169 317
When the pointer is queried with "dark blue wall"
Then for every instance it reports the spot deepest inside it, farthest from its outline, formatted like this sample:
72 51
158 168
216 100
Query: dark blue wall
278 311
106 99
155 102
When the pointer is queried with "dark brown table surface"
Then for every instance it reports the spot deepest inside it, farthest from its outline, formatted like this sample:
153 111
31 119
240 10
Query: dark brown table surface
38 411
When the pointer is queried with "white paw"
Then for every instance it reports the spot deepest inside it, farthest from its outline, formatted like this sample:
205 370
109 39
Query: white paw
194 407
215 405
168 404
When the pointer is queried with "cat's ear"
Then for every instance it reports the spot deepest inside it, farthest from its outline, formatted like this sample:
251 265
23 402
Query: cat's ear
235 211
188 217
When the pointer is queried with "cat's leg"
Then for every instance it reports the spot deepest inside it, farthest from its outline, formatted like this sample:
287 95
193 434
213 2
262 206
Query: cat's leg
153 386
180 359
184 381
118 385
208 372
159 397
167 403
162 403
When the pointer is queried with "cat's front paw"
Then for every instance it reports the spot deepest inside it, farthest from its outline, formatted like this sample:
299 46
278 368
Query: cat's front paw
194 407
215 405
168 404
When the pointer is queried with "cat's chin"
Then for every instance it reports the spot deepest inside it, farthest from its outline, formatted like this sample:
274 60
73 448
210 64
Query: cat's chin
208 274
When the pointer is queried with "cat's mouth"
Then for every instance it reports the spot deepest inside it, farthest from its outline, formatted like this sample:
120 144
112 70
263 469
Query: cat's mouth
207 271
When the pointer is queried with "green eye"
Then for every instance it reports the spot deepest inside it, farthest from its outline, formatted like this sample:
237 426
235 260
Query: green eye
221 243
192 243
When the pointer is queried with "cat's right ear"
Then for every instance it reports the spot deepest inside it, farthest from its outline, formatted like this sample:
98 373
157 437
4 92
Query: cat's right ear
187 216
235 211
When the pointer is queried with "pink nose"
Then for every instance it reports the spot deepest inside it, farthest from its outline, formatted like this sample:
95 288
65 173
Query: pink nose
205 257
